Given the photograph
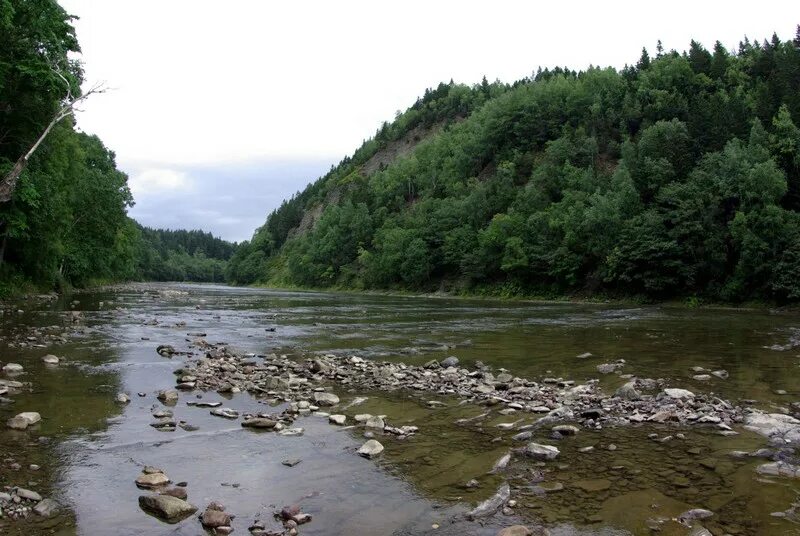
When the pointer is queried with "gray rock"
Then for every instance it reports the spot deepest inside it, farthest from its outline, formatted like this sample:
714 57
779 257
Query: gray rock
370 449
541 452
678 394
492 504
28 494
12 368
50 359
325 399
451 361
170 509
628 392
259 422
24 420
46 507
338 420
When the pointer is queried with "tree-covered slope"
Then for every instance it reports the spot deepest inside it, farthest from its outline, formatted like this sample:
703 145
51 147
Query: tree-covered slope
166 255
678 176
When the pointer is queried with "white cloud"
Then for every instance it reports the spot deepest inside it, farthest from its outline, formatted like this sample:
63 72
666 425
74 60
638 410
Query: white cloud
158 181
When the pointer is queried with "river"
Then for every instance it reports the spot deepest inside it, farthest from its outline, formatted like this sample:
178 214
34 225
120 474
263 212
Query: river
89 448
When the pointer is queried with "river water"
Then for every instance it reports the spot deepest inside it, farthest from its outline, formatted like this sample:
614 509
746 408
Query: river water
90 448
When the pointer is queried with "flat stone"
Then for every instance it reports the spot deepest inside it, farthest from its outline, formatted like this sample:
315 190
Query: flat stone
22 420
170 509
259 422
152 480
541 452
339 420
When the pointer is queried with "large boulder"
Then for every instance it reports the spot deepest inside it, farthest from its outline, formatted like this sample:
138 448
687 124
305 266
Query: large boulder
170 509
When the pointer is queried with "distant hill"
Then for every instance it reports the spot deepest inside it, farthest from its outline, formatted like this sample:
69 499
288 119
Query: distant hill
676 176
167 255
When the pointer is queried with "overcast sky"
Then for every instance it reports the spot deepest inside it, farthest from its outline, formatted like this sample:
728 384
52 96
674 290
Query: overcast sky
221 109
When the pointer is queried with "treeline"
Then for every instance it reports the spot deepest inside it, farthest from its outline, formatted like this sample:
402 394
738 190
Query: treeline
66 221
677 176
167 255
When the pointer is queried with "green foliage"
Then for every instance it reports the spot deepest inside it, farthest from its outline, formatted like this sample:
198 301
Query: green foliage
678 176
166 255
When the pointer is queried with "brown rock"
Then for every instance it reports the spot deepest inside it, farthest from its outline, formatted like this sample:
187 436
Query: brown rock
215 518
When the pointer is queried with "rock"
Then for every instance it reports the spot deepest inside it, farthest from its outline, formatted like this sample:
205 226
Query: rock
515 530
541 452
370 449
46 507
227 413
701 377
337 419
566 429
628 392
774 425
169 395
678 394
599 484
779 469
375 422
170 509
152 480
122 398
259 422
688 516
292 432
451 361
291 462
522 436
492 504
501 463
213 518
178 492
165 350
50 359
608 368
23 420
721 374
12 368
325 399
28 494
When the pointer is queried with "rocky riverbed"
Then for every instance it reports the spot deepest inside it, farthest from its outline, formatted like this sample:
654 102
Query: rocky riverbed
283 429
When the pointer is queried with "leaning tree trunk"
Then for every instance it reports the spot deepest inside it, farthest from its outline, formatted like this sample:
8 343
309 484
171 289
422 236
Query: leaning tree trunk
9 182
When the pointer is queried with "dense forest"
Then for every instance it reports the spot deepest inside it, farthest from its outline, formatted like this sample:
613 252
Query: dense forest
678 176
167 255
66 221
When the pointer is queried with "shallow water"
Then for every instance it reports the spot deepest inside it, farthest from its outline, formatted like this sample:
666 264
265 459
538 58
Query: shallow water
95 448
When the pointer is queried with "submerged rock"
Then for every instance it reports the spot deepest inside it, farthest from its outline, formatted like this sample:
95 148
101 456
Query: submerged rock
492 504
259 422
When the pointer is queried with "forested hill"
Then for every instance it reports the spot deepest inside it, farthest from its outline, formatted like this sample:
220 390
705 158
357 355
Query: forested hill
676 176
168 255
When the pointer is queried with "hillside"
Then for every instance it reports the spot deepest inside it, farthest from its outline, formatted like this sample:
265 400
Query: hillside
167 255
676 176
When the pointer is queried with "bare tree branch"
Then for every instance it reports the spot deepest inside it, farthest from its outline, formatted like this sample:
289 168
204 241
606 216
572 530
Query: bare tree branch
68 107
